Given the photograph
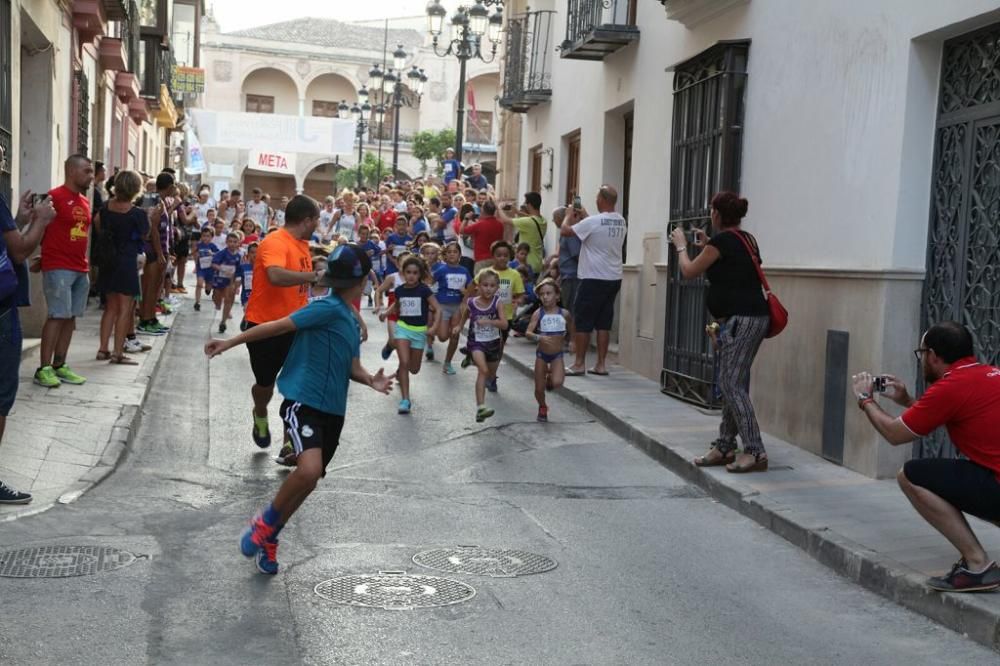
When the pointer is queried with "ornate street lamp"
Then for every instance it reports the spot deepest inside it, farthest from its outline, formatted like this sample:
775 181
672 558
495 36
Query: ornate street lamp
469 26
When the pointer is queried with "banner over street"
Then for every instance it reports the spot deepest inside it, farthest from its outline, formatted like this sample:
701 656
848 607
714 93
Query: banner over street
271 132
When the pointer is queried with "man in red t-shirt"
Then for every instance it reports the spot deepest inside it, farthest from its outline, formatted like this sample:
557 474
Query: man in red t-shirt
484 232
65 269
964 396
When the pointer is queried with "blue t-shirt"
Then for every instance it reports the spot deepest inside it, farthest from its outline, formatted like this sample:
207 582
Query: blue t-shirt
228 266
452 281
206 252
413 308
420 225
14 271
317 370
246 273
452 170
395 244
448 214
478 182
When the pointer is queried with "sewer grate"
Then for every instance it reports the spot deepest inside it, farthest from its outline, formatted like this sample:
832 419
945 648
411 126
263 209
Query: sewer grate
62 561
495 562
394 590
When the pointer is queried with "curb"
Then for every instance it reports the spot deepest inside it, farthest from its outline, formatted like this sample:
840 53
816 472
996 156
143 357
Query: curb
966 614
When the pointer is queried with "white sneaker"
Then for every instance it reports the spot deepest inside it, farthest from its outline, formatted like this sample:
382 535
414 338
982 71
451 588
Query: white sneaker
173 300
133 346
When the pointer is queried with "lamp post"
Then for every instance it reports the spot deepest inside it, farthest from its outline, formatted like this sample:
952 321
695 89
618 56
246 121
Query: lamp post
468 26
361 115
390 83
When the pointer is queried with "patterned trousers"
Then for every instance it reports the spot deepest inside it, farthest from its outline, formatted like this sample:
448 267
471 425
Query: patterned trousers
738 342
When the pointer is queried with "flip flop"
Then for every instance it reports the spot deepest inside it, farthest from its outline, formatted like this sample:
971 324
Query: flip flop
574 373
603 373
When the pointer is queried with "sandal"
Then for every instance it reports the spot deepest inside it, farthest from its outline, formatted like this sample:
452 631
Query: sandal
759 464
723 459
123 360
103 355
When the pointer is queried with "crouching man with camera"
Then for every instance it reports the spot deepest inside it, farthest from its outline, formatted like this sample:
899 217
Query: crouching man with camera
964 396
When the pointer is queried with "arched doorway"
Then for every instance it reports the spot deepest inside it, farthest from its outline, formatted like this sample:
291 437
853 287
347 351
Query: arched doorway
326 92
276 184
270 90
321 181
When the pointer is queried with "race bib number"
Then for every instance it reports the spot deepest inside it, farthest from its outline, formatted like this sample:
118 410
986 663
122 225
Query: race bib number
248 281
398 250
486 333
227 270
409 306
455 281
553 323
505 291
205 262
434 288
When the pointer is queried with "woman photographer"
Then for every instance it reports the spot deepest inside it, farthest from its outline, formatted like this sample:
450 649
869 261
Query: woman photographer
736 301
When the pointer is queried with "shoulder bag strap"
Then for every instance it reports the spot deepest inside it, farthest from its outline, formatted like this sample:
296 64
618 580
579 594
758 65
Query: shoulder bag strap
753 258
541 236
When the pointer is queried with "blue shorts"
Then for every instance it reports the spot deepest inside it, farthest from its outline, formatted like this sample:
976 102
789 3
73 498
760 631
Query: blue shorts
206 274
548 358
65 293
10 357
417 339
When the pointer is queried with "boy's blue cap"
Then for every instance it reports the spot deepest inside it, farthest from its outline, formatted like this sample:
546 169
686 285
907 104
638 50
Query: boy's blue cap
346 266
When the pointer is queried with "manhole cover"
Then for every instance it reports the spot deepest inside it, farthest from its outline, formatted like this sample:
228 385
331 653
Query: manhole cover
496 562
394 590
61 561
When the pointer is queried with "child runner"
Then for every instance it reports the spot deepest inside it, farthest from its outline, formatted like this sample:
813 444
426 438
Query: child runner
323 359
225 264
317 291
521 253
486 326
206 249
511 291
219 240
246 275
418 311
548 327
430 252
389 285
374 252
452 279
396 244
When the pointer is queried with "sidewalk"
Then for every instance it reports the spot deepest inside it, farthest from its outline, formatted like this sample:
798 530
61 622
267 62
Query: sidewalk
61 442
864 529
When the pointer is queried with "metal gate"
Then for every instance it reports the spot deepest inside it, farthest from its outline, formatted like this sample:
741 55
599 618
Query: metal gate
705 158
963 240
6 89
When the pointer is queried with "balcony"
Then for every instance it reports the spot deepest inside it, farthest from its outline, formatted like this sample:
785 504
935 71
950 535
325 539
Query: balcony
596 28
126 86
115 10
138 111
111 55
166 112
88 19
695 12
527 65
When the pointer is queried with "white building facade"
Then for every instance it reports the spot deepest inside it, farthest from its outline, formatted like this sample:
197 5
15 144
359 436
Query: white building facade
865 135
307 67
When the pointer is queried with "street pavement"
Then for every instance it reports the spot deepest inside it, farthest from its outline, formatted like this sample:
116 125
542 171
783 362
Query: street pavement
651 570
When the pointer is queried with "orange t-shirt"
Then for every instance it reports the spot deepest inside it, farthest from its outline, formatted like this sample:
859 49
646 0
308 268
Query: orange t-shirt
267 302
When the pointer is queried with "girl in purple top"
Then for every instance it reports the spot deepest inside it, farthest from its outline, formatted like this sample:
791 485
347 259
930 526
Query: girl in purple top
485 338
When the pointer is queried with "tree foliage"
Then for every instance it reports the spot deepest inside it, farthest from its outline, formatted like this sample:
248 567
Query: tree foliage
430 145
371 168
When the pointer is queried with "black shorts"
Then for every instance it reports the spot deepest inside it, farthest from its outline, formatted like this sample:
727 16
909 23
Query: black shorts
970 488
309 428
595 305
493 351
267 356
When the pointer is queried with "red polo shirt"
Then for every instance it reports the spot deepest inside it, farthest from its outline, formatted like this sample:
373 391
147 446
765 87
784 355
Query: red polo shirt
484 232
64 245
966 400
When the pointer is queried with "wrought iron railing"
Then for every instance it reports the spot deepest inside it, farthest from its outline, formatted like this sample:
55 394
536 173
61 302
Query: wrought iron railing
585 16
81 90
130 37
528 57
167 64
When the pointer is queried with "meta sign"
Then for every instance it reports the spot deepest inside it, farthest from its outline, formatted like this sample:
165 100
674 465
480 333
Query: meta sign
263 160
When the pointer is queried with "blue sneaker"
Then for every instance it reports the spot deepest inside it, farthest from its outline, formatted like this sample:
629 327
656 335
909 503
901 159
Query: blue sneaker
448 369
261 433
491 385
404 406
267 558
255 536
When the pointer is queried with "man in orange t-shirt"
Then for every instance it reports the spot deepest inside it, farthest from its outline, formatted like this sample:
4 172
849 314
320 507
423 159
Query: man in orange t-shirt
282 274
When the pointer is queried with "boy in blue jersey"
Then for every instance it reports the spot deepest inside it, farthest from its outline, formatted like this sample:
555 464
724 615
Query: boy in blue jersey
226 265
396 244
452 280
204 252
324 358
246 276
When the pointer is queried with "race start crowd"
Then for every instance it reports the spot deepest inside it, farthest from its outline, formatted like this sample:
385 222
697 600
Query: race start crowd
434 258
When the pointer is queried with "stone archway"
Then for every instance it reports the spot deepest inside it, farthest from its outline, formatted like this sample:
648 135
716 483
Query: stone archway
269 90
325 92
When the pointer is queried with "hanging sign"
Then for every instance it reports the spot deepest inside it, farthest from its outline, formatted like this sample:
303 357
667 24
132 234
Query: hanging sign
263 160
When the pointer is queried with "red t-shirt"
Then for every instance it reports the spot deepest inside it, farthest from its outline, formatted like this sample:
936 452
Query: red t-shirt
484 232
64 245
387 220
967 401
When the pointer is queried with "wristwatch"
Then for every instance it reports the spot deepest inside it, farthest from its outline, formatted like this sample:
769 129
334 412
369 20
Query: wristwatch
863 398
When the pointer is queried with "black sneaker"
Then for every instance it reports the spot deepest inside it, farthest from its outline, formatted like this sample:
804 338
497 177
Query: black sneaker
222 327
10 496
960 579
197 307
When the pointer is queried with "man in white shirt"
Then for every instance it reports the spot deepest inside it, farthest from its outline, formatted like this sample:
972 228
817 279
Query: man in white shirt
257 208
600 274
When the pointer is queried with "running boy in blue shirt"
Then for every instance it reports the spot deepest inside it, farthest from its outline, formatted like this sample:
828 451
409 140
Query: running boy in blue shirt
205 250
246 277
226 265
324 357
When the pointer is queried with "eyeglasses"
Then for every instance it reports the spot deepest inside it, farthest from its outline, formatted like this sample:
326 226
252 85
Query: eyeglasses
920 350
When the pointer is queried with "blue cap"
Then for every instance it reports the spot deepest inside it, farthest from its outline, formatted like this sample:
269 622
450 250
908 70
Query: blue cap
346 266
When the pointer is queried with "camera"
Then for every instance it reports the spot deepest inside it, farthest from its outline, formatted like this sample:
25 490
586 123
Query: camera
38 198
577 202
879 383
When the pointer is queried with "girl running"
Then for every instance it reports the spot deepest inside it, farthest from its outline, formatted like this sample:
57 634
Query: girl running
452 279
548 327
204 253
226 263
430 252
418 311
486 324
389 285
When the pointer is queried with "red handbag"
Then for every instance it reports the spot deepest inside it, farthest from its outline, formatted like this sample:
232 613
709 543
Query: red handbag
779 315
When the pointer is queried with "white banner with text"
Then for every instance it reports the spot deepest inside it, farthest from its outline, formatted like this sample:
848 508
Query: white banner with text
271 132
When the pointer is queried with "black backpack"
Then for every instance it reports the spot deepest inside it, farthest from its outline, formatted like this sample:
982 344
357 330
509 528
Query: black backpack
105 249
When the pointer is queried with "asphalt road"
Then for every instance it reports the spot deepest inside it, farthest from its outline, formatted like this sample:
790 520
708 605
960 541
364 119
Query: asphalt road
650 571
